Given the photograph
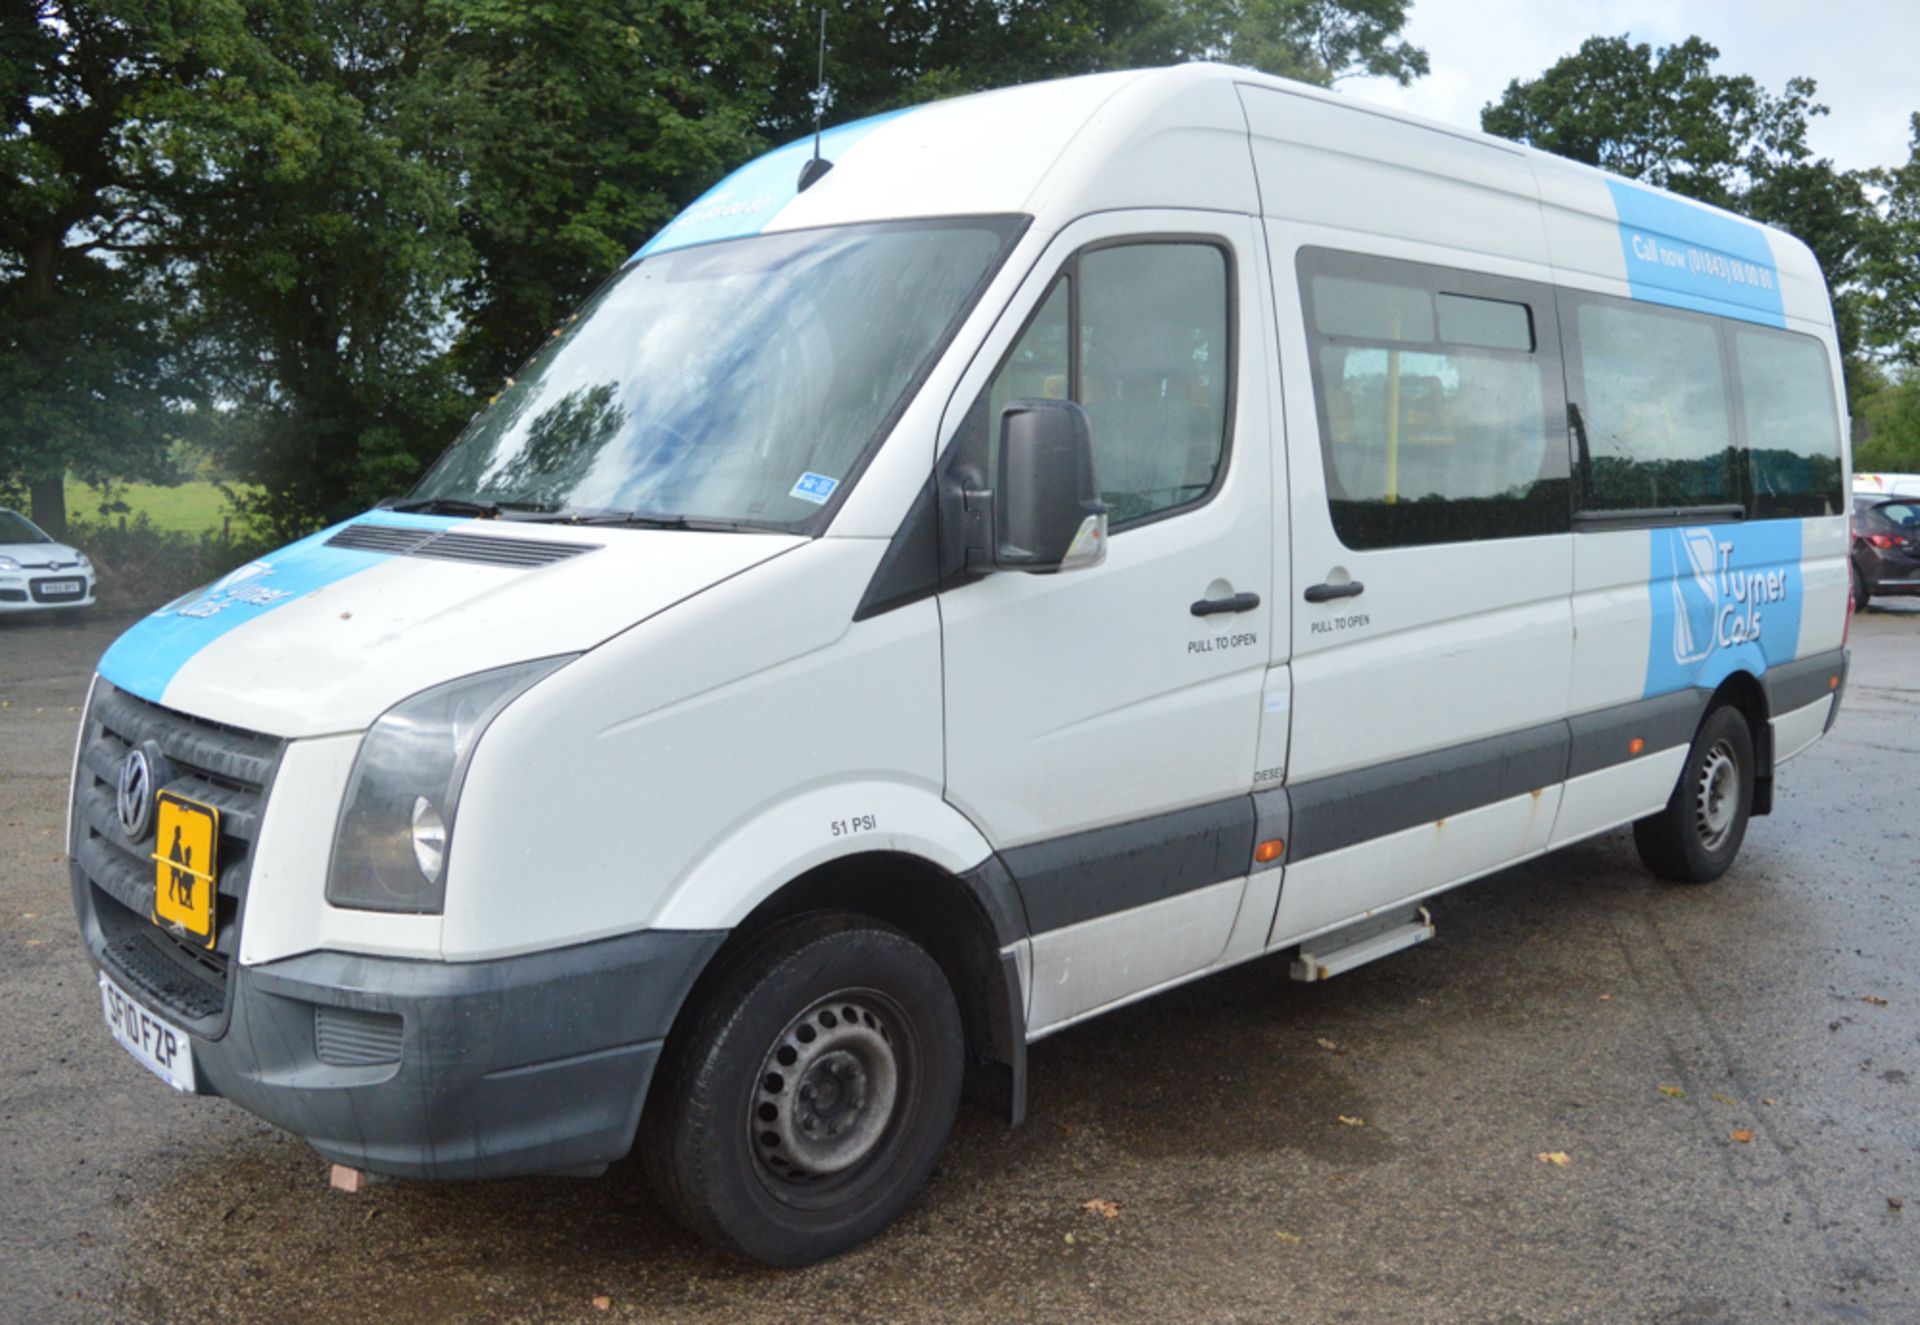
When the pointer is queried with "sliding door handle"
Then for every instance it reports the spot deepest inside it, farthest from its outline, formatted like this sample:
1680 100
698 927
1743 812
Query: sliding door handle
1240 602
1326 593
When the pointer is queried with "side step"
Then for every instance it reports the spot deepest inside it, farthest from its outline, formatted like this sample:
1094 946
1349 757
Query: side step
1357 944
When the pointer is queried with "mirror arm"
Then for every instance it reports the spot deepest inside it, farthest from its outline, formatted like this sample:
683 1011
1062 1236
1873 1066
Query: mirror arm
976 505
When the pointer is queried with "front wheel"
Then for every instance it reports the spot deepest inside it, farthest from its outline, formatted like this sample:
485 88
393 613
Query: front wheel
811 1094
1697 836
1860 592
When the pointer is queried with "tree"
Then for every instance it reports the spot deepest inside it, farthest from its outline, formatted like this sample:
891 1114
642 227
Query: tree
1663 116
312 234
885 54
1891 266
84 345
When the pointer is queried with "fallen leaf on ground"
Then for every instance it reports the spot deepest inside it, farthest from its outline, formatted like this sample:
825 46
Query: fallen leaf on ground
1874 999
1673 1092
1742 1135
1769 1100
1100 1207
1893 1203
1558 1158
1347 1121
1606 998
1285 1236
1718 1098
1069 1239
603 1303
1328 1045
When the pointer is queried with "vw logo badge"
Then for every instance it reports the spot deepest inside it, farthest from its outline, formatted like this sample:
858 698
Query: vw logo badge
133 800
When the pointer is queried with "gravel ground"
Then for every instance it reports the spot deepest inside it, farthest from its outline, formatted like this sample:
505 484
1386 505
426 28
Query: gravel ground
1364 1150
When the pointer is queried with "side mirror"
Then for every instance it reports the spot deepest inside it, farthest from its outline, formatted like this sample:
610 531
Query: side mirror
1047 512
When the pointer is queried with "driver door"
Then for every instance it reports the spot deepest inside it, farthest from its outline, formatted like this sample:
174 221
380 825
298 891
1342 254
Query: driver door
1101 723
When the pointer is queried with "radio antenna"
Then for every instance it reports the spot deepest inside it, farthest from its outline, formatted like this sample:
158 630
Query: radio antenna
811 172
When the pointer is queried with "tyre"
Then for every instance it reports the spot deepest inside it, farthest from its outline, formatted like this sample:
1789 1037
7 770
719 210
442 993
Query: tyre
811 1093
1697 836
1860 594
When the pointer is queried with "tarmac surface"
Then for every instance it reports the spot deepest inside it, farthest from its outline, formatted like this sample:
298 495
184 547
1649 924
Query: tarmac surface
1731 1071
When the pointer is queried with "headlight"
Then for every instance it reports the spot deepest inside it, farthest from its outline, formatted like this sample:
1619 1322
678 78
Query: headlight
8 563
396 823
83 559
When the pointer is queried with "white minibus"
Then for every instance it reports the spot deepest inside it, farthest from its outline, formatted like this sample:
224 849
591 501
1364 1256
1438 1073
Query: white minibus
1065 541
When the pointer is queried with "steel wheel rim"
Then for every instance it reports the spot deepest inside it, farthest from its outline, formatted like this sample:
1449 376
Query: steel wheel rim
1716 798
828 1089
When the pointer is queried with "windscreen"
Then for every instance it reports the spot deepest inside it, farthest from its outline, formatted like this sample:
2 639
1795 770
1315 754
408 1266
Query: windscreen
15 529
736 383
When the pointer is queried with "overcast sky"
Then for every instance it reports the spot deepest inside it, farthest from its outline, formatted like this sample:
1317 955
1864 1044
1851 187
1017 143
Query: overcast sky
1865 55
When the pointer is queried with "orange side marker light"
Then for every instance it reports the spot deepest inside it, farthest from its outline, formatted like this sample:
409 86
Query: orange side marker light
1269 850
1635 746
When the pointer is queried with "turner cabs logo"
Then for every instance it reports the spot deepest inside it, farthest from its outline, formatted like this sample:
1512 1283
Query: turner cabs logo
1723 598
1715 603
243 587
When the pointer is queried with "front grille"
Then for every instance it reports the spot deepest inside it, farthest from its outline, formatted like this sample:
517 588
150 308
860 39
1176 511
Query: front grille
351 1037
215 764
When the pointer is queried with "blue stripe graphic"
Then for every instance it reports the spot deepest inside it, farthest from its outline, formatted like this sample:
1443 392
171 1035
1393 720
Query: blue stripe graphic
745 201
1684 256
148 656
1725 598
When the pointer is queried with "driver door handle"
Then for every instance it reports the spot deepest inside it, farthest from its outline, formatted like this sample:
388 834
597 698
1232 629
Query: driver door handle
1326 593
1240 602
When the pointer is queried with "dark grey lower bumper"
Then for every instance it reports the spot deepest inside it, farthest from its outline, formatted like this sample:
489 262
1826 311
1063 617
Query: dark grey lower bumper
531 1064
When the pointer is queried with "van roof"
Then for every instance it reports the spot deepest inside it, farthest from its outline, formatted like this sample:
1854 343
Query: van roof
1177 137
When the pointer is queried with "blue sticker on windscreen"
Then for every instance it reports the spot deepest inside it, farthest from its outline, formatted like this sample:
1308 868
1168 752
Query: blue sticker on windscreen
815 488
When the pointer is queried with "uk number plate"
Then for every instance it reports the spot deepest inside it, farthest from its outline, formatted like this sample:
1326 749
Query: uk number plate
163 1049
60 586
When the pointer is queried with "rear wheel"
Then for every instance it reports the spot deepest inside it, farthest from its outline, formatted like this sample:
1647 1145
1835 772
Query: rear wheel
1860 594
806 1104
1697 836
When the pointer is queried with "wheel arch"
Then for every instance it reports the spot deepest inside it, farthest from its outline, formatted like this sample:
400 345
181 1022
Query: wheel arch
971 922
1744 691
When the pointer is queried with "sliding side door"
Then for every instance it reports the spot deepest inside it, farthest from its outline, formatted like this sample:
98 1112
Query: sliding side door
1432 634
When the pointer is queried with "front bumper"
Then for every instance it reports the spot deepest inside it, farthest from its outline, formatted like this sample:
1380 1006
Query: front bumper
25 591
521 1065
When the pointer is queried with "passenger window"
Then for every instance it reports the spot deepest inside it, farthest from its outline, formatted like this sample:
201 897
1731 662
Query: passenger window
1147 350
1154 363
1040 365
1657 422
1793 426
1437 415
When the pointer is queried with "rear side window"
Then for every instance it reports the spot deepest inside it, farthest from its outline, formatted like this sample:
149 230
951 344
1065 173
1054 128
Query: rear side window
1439 403
1656 419
1793 423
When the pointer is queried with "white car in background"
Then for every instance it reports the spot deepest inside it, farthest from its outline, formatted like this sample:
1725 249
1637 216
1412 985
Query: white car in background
38 574
1886 485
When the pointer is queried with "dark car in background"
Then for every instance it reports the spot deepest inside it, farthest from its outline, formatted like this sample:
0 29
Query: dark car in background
1886 547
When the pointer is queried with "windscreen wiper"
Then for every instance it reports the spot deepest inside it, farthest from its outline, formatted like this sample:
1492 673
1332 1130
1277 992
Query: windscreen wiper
444 506
482 510
651 520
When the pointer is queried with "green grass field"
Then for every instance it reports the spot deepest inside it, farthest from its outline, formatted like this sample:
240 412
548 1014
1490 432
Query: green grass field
188 508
